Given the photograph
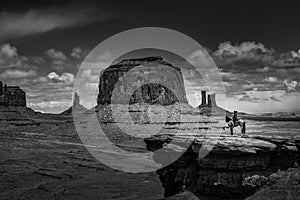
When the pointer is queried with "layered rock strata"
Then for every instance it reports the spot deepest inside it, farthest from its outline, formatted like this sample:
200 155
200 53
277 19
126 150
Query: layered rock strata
219 165
154 81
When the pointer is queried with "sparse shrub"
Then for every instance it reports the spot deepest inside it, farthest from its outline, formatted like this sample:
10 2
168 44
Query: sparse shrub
258 181
255 181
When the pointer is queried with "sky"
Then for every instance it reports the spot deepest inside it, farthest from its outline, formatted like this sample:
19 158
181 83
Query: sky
255 45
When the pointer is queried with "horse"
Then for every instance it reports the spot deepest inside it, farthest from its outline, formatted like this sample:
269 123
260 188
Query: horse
234 122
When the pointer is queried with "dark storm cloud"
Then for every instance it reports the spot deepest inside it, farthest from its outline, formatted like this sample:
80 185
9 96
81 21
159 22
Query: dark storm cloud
34 21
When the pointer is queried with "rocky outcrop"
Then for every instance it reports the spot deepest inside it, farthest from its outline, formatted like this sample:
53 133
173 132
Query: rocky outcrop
155 81
219 165
207 100
16 116
209 105
211 100
76 107
285 185
12 96
203 98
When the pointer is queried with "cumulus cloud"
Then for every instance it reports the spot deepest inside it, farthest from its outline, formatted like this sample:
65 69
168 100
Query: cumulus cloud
249 99
253 65
76 52
36 21
228 76
259 96
12 65
65 78
246 55
41 79
11 73
8 50
295 54
245 48
201 57
290 85
264 69
271 79
55 54
243 57
60 62
9 58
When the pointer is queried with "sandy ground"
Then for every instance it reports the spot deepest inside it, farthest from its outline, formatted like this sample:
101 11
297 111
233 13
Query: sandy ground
49 162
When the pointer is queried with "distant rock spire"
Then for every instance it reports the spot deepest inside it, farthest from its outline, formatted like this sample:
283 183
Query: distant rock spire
203 97
76 107
76 100
211 100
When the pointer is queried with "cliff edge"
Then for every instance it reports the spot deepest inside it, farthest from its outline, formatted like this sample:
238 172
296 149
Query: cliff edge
219 166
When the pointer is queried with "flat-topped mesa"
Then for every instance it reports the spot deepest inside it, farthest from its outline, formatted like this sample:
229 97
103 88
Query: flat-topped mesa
127 64
142 80
209 105
12 96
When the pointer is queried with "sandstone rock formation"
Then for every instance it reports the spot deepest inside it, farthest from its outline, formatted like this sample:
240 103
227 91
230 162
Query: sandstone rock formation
211 100
12 96
203 98
16 116
155 82
209 105
230 160
207 100
76 107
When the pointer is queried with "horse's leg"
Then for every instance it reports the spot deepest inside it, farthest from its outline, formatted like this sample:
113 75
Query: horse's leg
244 127
231 125
242 124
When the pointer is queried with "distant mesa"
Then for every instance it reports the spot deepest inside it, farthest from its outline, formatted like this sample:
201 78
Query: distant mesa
12 96
138 90
208 104
159 82
208 101
13 110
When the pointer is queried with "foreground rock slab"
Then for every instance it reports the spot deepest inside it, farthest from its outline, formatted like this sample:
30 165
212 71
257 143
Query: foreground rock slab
217 165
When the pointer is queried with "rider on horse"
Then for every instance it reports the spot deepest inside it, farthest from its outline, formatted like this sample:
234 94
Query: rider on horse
234 121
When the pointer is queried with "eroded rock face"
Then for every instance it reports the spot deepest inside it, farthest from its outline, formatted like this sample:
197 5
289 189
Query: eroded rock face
155 81
231 159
